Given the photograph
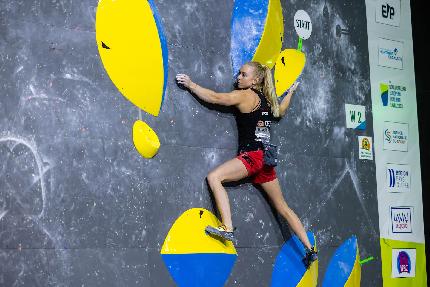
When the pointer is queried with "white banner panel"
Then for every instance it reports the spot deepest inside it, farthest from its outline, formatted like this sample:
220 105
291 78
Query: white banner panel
388 12
396 142
401 219
393 95
395 119
390 53
396 136
398 178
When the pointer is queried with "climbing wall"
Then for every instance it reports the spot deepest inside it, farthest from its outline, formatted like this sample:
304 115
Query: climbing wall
80 206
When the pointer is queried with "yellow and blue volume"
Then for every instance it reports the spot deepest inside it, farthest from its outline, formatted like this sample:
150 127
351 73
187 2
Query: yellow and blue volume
257 31
289 269
344 269
194 258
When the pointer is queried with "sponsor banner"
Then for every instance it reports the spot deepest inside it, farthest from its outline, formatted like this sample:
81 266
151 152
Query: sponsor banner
401 219
403 263
396 136
392 95
398 177
355 117
365 148
390 53
392 78
388 12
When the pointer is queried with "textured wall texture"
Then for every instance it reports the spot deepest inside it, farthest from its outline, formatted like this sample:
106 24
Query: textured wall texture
80 207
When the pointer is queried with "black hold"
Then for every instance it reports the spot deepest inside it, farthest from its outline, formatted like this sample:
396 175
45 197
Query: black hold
201 213
326 13
105 46
283 61
326 19
341 31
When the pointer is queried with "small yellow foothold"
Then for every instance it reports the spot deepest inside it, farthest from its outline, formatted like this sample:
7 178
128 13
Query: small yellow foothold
289 66
145 139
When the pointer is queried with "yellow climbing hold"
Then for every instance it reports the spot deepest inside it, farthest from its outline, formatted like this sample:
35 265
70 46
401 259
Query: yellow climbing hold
271 40
145 139
289 66
133 50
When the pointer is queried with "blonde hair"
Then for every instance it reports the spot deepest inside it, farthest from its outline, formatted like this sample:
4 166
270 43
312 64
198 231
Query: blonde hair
265 84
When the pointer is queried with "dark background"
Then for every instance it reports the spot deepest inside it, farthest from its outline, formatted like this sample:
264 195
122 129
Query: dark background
420 32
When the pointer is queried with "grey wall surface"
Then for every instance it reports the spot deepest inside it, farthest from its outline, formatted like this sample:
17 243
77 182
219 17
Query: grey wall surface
80 207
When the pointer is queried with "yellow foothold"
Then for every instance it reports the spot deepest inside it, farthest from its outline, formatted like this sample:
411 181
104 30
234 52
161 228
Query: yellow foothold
145 139
289 66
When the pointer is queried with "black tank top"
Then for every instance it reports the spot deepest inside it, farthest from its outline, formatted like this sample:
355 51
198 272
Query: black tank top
254 127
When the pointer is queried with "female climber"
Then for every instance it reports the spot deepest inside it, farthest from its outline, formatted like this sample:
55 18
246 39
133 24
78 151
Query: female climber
257 107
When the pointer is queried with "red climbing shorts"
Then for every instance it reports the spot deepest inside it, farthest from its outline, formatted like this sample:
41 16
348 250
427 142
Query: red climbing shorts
257 170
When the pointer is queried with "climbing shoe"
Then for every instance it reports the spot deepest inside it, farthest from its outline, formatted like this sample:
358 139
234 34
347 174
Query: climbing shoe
310 256
221 231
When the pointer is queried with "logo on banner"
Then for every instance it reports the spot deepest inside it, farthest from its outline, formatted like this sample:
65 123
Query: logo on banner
396 136
403 263
388 12
390 53
401 219
355 117
398 178
365 150
392 95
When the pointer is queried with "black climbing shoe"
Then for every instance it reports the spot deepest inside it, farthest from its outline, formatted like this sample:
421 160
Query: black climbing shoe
310 256
221 231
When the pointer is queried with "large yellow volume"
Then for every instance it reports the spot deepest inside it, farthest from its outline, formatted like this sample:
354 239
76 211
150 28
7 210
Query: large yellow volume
133 51
271 41
289 67
145 139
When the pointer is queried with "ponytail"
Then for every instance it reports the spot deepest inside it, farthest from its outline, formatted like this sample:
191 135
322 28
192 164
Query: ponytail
269 91
264 74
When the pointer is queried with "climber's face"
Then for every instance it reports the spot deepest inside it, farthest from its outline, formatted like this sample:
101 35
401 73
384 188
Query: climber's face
246 78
